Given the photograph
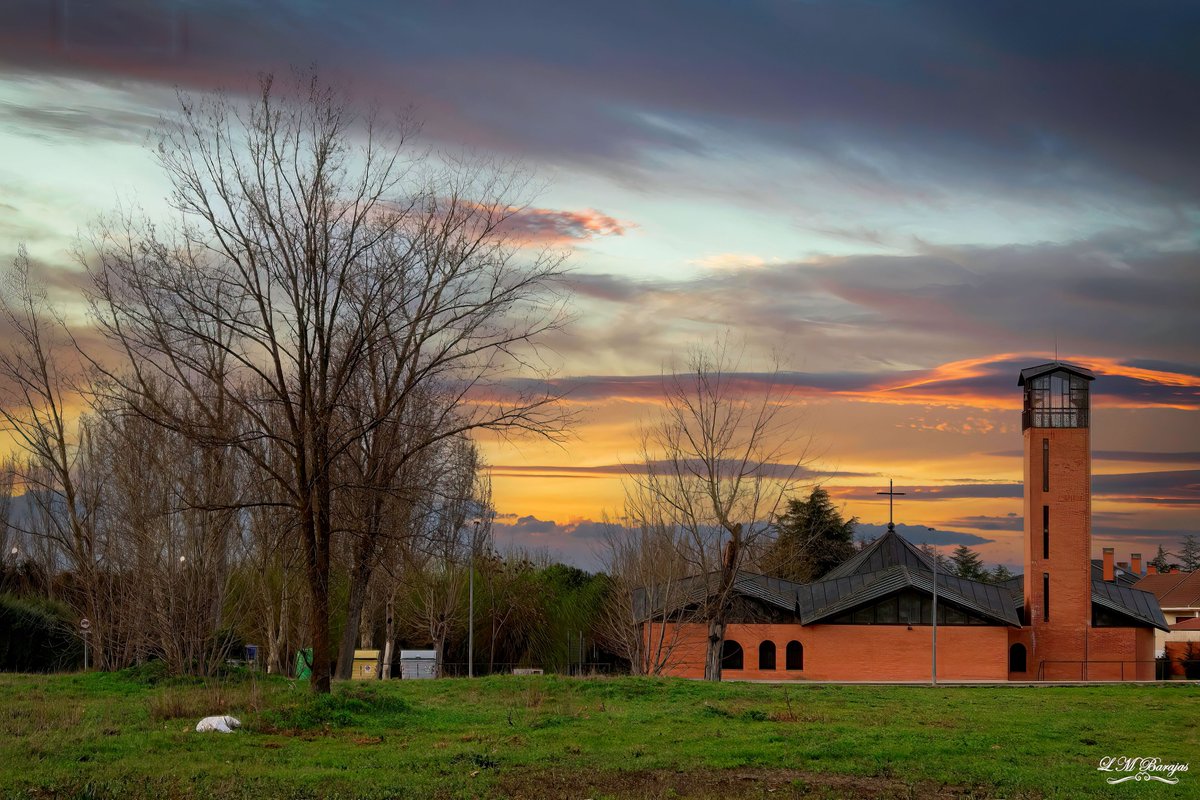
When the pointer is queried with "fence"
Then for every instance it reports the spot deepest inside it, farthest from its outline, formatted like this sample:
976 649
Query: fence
1160 669
457 669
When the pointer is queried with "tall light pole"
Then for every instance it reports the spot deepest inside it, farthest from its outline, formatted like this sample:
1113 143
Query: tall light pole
471 605
934 557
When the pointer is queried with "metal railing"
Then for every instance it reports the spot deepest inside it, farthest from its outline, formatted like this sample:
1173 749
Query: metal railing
458 669
1119 670
1054 418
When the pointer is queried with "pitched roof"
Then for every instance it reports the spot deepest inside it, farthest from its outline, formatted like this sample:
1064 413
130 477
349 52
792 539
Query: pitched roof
1121 576
889 564
695 588
889 550
1138 605
1115 595
830 597
1192 624
1052 366
1174 589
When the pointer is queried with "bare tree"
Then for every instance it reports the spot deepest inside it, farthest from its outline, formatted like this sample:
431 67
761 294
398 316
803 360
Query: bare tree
437 606
39 390
309 241
716 466
643 616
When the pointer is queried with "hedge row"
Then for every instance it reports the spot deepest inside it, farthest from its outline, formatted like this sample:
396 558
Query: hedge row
37 635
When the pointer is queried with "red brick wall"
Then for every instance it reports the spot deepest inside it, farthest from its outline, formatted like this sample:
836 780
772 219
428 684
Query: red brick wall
856 652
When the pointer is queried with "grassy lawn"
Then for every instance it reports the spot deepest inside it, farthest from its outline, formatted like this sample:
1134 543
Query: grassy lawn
129 735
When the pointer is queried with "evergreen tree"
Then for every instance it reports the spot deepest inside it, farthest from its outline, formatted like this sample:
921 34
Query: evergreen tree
966 563
1160 562
998 574
1189 554
811 538
943 564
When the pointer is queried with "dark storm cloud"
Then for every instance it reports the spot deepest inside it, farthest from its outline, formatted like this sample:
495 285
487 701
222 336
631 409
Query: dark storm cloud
772 470
1116 295
919 534
92 121
984 522
1172 487
1028 95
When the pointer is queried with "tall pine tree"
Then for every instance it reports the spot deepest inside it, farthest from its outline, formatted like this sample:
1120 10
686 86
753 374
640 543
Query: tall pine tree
966 563
1189 554
811 538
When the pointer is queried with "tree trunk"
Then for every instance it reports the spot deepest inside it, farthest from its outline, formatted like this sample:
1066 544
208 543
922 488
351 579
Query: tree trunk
317 521
354 609
716 641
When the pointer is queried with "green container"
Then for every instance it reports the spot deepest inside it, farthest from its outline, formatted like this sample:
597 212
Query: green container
304 662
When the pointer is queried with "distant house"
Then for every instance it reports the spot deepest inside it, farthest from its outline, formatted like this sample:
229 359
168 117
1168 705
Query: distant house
1067 618
1178 594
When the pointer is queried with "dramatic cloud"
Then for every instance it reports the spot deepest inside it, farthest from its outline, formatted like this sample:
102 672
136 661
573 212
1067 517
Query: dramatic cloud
1115 298
551 226
919 534
907 202
791 471
1028 97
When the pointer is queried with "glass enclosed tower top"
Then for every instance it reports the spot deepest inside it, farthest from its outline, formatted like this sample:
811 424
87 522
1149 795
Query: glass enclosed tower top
1056 396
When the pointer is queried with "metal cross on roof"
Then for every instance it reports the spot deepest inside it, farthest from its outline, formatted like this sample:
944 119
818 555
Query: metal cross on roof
891 494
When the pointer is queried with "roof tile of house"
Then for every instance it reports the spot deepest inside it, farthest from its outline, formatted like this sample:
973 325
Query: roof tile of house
1173 590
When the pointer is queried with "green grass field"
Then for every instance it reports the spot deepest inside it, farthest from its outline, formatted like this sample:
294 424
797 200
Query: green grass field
130 735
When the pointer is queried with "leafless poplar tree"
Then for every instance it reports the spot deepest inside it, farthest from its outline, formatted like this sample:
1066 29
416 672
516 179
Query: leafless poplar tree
310 244
39 390
716 465
644 613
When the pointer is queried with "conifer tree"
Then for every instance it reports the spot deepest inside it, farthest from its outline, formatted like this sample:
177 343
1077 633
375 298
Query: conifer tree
1189 554
966 563
811 539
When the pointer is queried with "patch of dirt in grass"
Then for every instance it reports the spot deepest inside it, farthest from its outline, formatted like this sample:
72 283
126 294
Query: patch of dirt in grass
545 784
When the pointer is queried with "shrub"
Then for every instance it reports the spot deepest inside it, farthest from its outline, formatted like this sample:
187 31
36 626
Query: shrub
37 635
349 705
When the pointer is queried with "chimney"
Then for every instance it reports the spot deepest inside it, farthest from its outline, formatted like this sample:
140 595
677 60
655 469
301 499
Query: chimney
1151 569
1108 564
1137 563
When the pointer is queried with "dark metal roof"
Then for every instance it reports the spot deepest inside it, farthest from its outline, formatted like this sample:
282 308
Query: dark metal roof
1053 366
889 550
830 597
696 588
1133 603
1122 577
1136 604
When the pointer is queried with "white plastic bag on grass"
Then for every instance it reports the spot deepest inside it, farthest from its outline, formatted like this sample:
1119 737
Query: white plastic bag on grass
218 724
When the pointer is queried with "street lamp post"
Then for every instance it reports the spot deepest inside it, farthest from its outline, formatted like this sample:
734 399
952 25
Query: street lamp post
471 605
935 566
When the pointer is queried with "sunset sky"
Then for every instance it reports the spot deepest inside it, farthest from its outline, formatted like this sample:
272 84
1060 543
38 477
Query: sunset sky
906 202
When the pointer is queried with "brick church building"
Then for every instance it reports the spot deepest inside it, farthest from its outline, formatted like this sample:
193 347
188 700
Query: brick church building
1066 618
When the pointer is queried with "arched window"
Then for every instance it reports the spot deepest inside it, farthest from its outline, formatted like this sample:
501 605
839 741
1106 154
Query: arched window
731 655
1016 658
795 655
766 655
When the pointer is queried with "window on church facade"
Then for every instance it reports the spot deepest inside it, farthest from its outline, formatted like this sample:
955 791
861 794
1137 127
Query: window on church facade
1045 531
795 656
732 656
766 655
1017 658
908 608
1045 597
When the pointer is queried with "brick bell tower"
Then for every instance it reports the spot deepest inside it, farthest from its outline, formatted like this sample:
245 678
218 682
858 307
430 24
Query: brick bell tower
1058 517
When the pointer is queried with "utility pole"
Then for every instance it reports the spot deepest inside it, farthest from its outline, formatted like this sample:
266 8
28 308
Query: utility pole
471 605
